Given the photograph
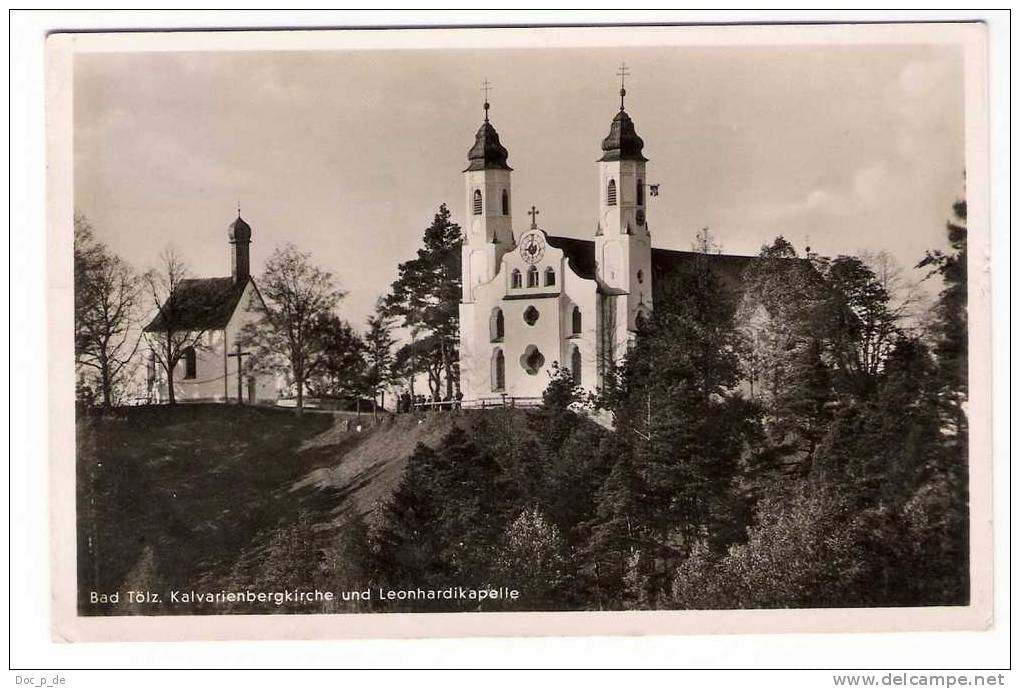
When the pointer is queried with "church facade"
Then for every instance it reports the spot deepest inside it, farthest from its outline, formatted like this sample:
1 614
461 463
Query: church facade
532 300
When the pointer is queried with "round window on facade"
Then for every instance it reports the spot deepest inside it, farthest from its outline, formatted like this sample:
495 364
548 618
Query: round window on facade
531 315
532 360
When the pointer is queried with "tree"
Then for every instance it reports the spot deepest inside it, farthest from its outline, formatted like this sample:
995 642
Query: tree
107 296
906 301
423 355
379 361
446 516
533 551
787 310
867 326
407 543
676 404
342 371
171 337
426 294
615 533
803 551
705 243
949 329
292 334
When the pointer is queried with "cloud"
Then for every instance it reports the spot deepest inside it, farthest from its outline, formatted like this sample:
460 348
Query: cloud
871 185
923 109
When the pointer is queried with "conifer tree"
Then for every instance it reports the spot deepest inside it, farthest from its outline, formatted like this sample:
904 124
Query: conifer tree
676 402
426 293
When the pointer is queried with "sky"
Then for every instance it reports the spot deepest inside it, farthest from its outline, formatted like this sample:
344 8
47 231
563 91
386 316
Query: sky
348 154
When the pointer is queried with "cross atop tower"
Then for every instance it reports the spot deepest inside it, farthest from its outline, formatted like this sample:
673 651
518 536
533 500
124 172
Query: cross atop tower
533 213
623 73
486 87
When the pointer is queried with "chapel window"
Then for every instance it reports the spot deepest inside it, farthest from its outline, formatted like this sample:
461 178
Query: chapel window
477 203
531 315
550 277
190 363
515 279
575 321
640 193
532 276
611 193
496 325
506 203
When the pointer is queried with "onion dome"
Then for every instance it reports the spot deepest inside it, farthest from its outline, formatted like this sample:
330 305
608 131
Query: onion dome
623 143
239 230
487 153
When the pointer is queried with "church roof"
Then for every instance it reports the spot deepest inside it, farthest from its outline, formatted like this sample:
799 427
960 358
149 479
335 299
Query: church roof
239 230
487 153
623 142
200 304
729 269
580 254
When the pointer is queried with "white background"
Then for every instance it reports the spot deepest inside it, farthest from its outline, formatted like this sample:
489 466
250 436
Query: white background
31 649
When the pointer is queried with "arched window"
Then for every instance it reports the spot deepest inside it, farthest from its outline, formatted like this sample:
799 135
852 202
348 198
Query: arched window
496 325
477 204
550 277
575 364
506 203
515 278
575 321
190 363
640 193
611 193
532 276
498 370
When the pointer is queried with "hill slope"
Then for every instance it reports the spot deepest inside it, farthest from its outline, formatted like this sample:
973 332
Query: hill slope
180 492
365 474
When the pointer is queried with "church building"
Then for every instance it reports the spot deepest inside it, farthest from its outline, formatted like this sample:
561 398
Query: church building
531 298
207 315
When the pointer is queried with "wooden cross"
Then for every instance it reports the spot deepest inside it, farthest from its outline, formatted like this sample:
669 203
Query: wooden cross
239 354
533 212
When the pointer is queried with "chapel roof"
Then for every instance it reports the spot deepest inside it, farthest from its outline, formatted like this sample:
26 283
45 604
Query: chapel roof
200 304
239 230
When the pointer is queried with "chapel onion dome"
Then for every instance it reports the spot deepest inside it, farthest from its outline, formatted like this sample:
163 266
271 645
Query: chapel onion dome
487 153
239 231
623 143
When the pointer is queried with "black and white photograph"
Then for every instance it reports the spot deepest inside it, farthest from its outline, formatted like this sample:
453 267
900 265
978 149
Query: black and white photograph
509 321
